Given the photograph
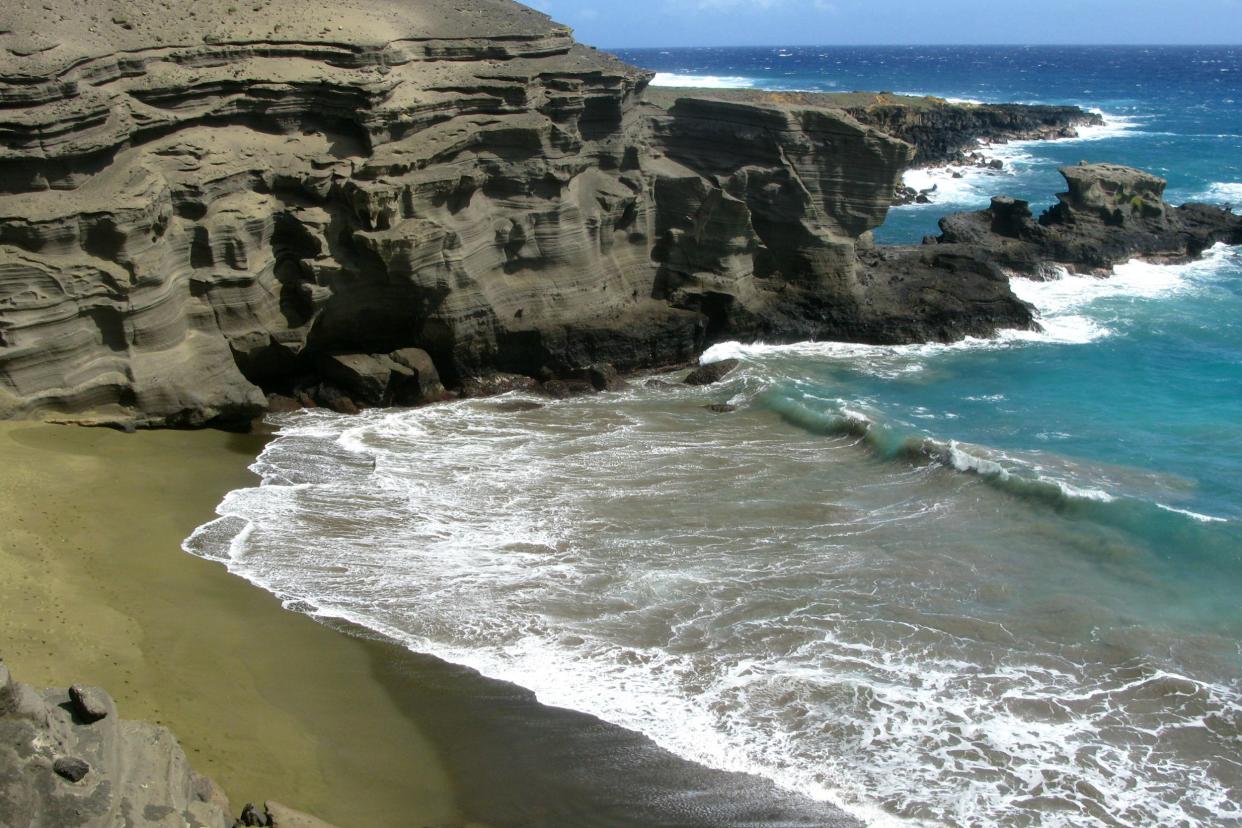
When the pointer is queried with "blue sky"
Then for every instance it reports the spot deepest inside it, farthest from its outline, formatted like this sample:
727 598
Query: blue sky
637 23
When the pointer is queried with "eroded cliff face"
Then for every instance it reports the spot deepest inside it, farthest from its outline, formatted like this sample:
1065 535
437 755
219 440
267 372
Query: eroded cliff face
68 760
203 202
759 211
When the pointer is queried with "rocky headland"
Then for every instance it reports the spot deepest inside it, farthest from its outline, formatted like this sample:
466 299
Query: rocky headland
941 131
209 209
1108 215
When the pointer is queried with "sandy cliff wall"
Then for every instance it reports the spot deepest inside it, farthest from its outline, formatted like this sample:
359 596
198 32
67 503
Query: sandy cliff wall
201 202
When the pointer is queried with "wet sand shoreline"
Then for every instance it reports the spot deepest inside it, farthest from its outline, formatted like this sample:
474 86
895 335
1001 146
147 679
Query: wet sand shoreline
94 588
327 717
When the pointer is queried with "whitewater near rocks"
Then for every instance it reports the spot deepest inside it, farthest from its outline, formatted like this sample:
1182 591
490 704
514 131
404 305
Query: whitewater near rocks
819 589
985 581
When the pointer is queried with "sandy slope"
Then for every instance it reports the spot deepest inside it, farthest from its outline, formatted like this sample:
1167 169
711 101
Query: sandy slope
94 589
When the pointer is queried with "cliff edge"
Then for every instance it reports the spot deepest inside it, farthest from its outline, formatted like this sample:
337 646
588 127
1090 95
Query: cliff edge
205 203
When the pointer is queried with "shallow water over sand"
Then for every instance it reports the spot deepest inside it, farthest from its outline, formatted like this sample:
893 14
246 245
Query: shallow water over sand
991 583
858 610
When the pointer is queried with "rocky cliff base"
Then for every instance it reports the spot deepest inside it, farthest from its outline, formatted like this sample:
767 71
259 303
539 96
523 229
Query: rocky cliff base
208 210
1108 215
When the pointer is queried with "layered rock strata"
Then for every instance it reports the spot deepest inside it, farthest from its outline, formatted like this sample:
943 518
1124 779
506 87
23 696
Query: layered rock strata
209 208
205 203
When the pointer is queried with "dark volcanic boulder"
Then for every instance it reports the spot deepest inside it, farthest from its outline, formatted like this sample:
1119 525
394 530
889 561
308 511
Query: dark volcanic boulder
404 377
90 704
711 372
492 384
937 293
71 768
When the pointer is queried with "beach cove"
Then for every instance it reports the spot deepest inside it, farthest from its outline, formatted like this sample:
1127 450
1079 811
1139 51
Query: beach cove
676 437
273 705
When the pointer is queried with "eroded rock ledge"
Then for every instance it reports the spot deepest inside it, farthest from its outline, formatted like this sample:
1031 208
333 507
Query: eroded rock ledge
941 131
67 759
205 204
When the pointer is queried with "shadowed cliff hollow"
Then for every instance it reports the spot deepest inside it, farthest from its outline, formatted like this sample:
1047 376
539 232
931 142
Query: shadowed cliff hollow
201 202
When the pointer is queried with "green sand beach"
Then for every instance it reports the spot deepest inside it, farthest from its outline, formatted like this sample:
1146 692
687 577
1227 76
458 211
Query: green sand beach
95 589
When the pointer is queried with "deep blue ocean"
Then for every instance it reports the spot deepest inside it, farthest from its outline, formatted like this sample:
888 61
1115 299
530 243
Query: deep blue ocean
1033 620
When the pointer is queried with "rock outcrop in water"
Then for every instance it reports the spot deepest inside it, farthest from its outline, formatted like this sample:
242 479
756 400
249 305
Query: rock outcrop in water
1108 215
67 760
205 203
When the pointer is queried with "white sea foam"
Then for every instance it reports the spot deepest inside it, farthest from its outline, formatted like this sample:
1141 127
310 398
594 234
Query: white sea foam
963 460
1071 310
1222 192
950 99
1202 518
480 537
1114 126
1007 469
965 185
1068 297
702 81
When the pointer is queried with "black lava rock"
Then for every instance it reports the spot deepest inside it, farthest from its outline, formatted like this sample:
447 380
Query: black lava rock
712 372
71 768
89 703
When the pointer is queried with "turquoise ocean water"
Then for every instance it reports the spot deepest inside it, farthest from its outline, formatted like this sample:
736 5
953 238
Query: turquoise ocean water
990 583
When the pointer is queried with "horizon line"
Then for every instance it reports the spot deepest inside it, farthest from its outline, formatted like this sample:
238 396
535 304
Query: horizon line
931 45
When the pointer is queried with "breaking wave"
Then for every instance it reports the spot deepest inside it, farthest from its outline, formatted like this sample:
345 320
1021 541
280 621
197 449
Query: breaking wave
702 81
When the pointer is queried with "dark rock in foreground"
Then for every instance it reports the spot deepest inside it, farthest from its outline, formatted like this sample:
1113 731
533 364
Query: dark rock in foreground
711 372
71 768
90 704
58 769
67 759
